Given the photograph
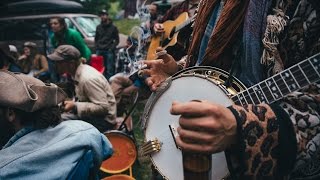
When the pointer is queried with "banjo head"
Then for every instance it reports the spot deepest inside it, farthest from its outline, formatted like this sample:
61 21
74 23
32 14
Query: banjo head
201 83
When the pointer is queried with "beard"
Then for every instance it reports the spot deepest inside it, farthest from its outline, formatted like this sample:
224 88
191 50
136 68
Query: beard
6 129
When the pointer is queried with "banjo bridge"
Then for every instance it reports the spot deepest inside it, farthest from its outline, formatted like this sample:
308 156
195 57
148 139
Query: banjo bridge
150 147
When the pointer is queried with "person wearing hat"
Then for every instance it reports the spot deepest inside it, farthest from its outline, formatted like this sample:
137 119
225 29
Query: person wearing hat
34 63
7 60
106 41
35 143
95 100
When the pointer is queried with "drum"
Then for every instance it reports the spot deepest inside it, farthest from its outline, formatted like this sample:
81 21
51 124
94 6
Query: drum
205 83
119 177
124 155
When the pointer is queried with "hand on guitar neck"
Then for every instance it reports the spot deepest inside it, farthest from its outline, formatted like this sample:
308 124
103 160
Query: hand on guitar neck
158 28
167 35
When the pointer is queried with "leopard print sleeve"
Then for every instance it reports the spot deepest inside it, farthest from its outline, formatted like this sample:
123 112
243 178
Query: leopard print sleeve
303 108
279 140
258 130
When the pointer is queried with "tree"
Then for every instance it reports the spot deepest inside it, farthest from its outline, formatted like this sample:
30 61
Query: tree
94 6
130 8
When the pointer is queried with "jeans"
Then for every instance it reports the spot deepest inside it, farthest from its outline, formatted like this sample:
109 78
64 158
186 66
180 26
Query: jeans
109 62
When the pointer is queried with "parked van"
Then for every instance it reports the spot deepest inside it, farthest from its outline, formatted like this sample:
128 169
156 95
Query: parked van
29 21
19 29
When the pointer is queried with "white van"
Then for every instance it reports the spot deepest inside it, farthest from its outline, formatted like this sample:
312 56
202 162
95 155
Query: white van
29 21
18 29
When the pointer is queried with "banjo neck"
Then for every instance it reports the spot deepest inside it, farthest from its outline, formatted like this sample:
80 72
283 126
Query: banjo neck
281 84
196 166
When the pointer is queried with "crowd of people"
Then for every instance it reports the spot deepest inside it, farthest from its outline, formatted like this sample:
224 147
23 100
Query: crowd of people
42 137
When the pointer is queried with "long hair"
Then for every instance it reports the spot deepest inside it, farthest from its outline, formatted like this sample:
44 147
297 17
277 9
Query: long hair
61 22
59 36
27 64
40 119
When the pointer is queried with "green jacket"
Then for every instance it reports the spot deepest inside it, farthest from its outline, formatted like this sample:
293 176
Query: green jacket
73 37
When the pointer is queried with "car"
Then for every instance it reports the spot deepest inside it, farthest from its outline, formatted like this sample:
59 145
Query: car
19 29
29 21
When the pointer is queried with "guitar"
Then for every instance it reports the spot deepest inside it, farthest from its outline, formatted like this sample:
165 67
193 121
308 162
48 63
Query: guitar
170 35
195 83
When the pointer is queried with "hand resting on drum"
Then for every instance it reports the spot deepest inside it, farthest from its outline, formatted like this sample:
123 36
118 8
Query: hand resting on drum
159 70
205 127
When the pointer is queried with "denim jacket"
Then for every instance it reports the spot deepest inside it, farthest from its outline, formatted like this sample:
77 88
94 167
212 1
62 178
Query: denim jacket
53 153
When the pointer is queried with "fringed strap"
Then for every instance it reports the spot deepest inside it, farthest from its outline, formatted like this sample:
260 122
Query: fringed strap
196 12
275 25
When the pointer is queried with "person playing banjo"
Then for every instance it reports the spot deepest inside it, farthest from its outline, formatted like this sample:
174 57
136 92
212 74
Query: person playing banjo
253 41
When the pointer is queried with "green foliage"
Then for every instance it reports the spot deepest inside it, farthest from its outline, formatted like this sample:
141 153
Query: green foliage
121 3
94 6
113 9
125 25
142 166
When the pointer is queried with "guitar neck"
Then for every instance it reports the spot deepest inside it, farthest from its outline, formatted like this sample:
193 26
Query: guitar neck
281 84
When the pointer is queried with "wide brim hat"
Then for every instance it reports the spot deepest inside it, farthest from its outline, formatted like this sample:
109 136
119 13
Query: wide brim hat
30 44
27 93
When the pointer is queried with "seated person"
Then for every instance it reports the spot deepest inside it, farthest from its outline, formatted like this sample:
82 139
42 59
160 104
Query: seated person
7 59
34 143
33 63
123 87
95 102
179 49
126 55
155 17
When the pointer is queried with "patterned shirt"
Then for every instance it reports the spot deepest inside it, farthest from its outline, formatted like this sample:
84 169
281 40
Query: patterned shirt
175 11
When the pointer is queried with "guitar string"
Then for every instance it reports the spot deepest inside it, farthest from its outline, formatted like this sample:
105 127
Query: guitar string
306 68
260 91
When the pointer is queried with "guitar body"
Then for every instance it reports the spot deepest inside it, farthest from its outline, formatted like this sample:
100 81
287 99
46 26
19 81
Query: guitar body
168 37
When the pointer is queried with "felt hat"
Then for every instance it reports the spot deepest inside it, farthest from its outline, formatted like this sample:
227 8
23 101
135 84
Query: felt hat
27 93
65 53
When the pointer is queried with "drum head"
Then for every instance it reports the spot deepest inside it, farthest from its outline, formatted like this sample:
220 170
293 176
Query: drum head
119 177
124 154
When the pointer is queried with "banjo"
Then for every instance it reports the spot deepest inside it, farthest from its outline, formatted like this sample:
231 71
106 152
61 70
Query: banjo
209 83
